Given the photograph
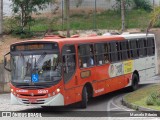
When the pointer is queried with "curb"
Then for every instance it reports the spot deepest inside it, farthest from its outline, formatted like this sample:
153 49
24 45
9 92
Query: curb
135 107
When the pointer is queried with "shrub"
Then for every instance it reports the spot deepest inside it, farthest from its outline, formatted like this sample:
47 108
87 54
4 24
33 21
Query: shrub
153 99
150 101
158 101
143 4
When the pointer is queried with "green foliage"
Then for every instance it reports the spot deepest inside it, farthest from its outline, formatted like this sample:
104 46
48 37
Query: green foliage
153 99
150 101
22 34
117 5
9 23
154 18
143 4
154 95
105 20
137 4
24 9
158 101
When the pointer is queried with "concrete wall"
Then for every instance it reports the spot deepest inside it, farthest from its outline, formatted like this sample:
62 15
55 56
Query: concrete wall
4 79
86 4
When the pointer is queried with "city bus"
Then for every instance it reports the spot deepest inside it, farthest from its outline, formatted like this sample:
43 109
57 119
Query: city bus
62 71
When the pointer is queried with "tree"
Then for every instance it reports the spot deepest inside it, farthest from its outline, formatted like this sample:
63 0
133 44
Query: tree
67 15
155 17
143 4
25 8
123 14
1 16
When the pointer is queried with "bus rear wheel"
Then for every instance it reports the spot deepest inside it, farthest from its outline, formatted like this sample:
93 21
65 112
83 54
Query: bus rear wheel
84 98
135 81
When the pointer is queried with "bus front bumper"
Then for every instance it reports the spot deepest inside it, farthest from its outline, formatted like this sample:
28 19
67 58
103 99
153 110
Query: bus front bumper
57 100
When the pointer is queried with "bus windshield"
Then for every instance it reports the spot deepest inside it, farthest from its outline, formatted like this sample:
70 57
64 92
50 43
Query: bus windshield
36 68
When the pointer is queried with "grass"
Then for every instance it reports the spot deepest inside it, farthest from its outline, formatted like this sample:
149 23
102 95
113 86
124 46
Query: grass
140 96
105 20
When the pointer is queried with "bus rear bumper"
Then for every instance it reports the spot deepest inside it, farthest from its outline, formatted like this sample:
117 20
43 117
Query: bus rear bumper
57 100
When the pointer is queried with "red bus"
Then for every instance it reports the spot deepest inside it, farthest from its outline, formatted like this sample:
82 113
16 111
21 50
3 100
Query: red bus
62 71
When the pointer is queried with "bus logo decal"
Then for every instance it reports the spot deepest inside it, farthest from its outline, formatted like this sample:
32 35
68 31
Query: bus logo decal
128 67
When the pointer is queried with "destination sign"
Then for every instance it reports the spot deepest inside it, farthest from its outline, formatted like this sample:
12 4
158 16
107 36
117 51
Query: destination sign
34 46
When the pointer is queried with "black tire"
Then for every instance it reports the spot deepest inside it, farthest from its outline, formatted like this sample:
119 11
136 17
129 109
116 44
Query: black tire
84 98
135 81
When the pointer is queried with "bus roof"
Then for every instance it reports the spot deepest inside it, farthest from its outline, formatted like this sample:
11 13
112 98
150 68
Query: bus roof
78 39
90 39
132 36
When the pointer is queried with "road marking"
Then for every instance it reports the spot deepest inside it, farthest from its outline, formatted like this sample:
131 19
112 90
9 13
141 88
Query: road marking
119 107
110 102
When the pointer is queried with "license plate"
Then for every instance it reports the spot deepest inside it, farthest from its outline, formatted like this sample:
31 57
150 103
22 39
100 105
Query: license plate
32 101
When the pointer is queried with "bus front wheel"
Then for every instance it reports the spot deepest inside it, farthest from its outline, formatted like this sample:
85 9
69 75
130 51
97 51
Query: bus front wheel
84 98
135 81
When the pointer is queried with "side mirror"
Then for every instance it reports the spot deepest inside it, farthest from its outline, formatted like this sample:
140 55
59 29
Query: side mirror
5 62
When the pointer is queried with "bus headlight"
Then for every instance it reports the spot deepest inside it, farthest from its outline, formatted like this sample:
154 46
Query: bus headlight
11 90
58 90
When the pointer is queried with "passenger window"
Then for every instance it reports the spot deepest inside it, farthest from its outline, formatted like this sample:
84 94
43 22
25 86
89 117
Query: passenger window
124 48
69 61
86 55
106 55
141 47
102 56
133 49
113 51
150 46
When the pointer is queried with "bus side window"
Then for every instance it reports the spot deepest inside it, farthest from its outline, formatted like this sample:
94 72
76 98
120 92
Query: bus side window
150 46
113 51
124 50
133 48
141 47
106 55
86 55
69 61
100 50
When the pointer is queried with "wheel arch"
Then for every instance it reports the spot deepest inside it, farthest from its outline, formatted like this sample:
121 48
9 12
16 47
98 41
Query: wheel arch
137 73
89 88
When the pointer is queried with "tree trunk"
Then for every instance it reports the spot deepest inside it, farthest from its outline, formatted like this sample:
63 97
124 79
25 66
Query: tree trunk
1 17
123 14
67 16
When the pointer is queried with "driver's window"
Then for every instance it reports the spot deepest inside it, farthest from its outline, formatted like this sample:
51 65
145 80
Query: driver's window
69 61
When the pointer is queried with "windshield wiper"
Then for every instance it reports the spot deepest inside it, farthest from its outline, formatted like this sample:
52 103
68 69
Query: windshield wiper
40 58
36 62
